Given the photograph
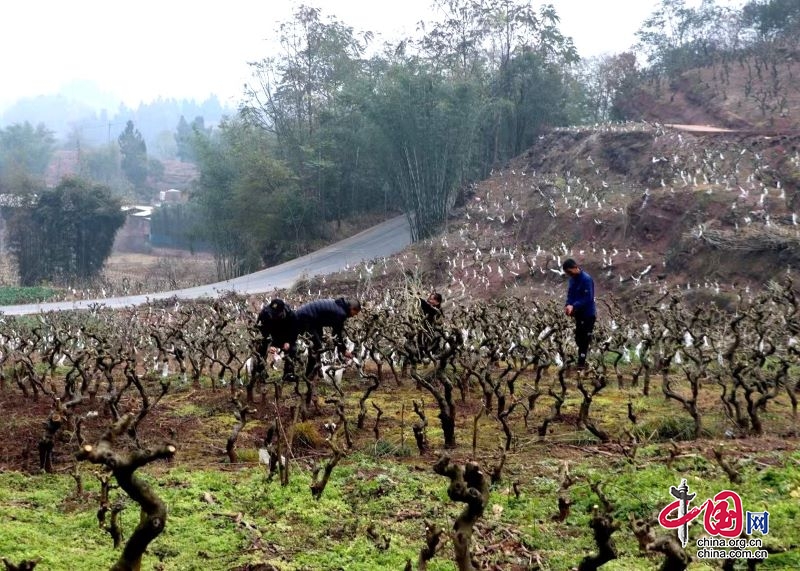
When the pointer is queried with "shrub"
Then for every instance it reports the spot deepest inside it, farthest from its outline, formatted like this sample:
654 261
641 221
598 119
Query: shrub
383 448
247 455
306 435
666 428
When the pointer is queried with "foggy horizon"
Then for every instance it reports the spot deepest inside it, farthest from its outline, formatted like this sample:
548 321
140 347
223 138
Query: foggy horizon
192 54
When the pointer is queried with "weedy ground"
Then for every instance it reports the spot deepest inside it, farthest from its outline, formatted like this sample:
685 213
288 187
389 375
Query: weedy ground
373 512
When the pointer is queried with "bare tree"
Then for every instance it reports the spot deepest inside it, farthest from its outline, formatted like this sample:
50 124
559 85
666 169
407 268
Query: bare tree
123 466
468 485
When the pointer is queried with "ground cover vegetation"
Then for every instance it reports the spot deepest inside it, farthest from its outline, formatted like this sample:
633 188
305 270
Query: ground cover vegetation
357 465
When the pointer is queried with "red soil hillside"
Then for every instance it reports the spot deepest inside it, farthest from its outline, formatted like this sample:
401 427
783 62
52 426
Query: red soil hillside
741 94
177 174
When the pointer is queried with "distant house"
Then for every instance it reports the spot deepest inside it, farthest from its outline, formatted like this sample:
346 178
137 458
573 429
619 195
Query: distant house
170 196
134 236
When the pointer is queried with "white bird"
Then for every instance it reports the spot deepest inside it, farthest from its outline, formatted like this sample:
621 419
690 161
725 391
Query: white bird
334 374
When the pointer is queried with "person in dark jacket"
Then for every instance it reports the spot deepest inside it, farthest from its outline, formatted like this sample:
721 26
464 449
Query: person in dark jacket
431 325
314 316
432 308
421 341
580 306
277 324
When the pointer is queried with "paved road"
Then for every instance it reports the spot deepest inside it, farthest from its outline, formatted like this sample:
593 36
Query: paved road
382 240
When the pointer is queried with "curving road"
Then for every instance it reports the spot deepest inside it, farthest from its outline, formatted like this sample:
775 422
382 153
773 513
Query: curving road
382 240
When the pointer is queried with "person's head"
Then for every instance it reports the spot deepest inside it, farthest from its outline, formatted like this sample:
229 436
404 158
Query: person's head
277 308
353 307
571 267
435 299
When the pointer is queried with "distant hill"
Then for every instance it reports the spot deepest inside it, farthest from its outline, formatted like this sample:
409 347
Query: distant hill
740 94
98 118
63 163
177 174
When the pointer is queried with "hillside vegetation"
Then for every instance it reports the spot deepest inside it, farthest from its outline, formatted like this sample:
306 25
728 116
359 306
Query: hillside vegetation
752 91
647 208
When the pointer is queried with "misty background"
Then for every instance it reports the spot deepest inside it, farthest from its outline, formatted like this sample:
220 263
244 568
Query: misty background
82 113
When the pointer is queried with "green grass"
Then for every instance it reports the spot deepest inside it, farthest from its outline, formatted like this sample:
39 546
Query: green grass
388 485
12 295
253 521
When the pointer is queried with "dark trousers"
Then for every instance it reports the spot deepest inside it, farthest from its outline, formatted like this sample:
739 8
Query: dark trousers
584 326
289 358
312 365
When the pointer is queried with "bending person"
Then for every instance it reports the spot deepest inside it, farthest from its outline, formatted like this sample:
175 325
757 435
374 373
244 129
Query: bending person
314 316
278 326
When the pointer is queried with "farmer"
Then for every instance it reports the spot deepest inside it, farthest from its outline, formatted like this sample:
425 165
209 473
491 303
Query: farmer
420 343
316 315
580 306
278 326
432 308
431 325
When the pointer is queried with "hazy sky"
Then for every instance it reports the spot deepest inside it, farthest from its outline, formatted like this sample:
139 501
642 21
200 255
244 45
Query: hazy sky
139 50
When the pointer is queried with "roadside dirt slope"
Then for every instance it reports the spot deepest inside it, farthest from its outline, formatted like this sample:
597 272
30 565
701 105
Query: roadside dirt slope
761 92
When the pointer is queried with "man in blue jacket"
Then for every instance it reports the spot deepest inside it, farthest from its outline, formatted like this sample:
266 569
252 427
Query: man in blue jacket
580 306
316 315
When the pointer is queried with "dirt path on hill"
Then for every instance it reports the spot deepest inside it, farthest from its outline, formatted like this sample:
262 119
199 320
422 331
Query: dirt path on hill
699 128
